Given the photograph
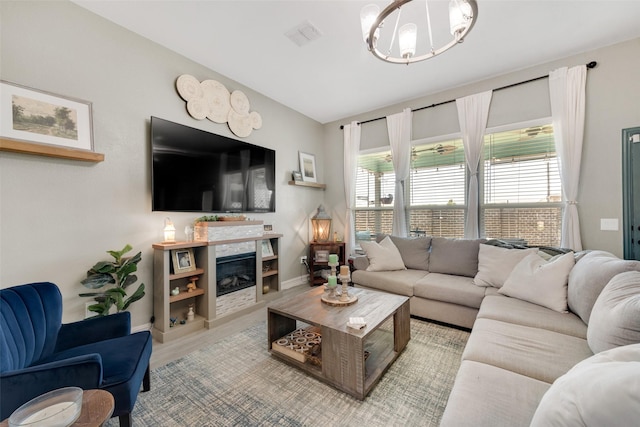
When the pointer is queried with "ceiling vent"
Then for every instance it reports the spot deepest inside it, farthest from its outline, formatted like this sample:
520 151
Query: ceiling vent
303 33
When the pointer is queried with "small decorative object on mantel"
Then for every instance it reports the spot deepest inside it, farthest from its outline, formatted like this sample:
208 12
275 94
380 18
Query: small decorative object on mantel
169 231
211 99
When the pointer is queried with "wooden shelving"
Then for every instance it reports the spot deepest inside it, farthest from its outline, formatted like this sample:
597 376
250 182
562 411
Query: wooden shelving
49 151
308 184
185 294
170 311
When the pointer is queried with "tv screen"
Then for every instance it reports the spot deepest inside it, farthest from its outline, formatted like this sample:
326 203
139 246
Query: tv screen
197 171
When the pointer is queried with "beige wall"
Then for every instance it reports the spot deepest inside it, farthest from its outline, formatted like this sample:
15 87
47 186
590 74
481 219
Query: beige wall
58 217
613 91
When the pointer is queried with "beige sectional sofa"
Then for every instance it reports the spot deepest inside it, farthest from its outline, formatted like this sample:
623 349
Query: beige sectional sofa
525 363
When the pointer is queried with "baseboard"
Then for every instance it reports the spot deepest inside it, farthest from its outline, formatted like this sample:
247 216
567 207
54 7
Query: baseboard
140 328
296 281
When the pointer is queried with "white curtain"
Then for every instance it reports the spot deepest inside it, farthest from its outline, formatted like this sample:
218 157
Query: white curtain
351 149
399 128
567 92
473 112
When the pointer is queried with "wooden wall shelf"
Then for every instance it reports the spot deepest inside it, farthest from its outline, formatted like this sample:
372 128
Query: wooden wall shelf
49 151
308 184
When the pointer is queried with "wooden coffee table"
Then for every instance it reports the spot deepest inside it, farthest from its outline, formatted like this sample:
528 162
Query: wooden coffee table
352 360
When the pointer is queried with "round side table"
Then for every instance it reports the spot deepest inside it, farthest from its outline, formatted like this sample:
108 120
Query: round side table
97 407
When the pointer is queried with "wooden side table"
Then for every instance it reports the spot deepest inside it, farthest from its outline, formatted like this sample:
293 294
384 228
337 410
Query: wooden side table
316 264
97 407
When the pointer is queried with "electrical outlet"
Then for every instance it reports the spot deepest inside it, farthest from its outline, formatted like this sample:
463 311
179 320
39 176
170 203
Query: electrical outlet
303 259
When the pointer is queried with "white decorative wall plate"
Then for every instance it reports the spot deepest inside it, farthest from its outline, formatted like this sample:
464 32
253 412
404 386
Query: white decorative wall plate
210 99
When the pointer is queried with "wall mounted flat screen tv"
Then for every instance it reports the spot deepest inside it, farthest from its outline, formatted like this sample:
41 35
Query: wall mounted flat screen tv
197 171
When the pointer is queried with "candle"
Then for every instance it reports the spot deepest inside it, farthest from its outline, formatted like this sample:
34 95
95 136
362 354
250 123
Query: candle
344 270
333 258
332 281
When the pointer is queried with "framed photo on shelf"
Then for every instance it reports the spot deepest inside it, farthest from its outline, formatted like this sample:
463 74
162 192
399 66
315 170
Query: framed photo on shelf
308 167
267 249
297 176
322 256
39 117
183 260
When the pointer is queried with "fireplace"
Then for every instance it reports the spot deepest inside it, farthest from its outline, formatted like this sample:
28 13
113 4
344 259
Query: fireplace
235 272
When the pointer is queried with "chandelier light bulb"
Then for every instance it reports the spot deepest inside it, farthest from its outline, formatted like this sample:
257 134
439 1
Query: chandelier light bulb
459 16
407 36
368 16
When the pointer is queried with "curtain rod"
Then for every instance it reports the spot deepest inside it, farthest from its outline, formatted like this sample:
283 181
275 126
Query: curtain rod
590 65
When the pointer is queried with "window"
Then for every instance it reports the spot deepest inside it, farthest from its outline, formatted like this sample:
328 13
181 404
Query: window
520 191
437 189
521 184
375 187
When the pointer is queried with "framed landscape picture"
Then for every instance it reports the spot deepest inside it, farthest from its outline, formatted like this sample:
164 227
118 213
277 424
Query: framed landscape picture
40 117
308 167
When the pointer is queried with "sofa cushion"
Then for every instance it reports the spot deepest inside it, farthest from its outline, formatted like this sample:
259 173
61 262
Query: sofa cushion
449 288
398 282
454 256
383 256
496 263
414 251
603 390
541 282
513 310
615 318
536 353
590 275
485 396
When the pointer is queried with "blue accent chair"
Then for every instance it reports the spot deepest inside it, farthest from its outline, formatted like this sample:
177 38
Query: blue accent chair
39 354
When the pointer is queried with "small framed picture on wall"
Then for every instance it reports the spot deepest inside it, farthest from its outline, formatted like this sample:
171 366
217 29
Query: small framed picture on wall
308 167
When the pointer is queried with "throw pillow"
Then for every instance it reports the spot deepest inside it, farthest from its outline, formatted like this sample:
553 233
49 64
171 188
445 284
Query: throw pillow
383 256
615 318
541 282
591 274
496 263
414 251
599 391
454 256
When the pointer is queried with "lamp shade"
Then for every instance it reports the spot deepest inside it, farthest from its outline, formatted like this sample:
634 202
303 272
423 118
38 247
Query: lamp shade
368 16
459 16
407 35
321 225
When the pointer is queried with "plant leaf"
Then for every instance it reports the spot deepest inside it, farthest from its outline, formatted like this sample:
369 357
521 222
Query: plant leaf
96 281
103 267
117 255
138 294
129 280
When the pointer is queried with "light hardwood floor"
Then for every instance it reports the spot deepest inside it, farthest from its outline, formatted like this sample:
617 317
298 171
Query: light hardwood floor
164 353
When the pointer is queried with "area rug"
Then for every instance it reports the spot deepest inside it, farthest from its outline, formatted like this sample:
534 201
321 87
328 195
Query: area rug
236 382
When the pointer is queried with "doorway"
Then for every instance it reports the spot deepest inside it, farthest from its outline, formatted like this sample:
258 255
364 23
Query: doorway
631 192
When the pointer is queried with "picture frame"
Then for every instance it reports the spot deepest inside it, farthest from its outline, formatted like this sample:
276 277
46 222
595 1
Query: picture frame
44 118
296 175
267 249
183 260
322 256
308 167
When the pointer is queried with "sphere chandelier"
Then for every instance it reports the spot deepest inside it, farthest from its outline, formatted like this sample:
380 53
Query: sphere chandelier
462 16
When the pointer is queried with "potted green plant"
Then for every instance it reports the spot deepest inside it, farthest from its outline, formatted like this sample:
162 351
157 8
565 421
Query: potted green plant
112 279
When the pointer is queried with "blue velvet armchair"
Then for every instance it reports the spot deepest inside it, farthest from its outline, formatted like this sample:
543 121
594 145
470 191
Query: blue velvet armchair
39 354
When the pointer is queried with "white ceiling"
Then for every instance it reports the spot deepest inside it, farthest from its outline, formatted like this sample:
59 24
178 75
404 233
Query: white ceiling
335 77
